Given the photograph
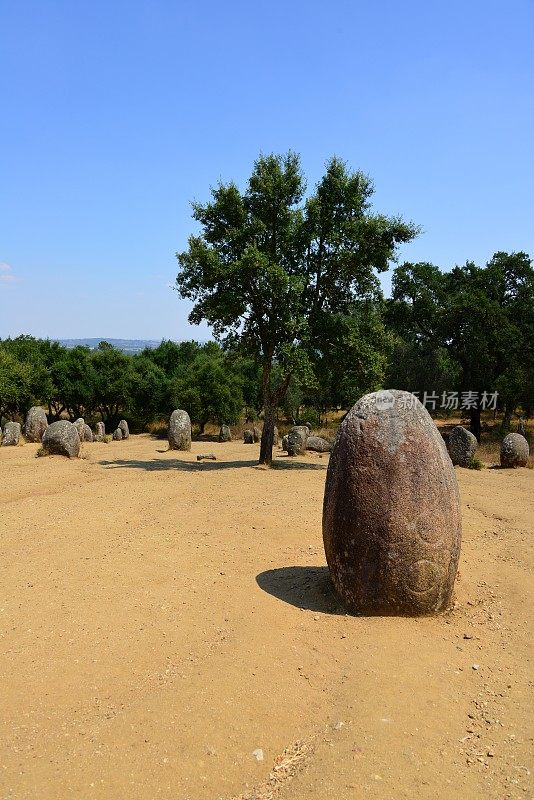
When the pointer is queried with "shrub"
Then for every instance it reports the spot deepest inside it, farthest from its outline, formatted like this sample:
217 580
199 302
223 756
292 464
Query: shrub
476 463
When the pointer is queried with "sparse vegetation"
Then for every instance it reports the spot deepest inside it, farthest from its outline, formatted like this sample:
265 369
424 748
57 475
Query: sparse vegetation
476 463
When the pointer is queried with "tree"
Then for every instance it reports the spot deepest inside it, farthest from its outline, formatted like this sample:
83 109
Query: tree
149 389
30 381
113 381
482 316
171 356
351 355
74 379
15 384
268 268
209 389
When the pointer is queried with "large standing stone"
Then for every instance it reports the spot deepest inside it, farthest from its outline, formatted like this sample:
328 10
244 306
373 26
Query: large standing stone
514 451
117 435
257 433
100 432
276 437
296 440
462 446
61 438
248 437
225 434
318 444
35 425
179 431
123 425
11 435
391 512
87 433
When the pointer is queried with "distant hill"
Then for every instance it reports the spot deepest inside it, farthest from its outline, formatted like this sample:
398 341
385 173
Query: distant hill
126 345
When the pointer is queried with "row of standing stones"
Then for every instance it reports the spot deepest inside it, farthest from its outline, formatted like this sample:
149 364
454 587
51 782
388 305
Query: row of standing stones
60 438
462 447
391 509
461 444
296 442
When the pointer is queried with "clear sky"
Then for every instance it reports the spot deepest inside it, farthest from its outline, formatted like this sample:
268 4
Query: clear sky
115 115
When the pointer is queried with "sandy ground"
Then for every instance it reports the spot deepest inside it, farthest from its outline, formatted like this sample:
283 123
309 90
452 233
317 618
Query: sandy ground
162 620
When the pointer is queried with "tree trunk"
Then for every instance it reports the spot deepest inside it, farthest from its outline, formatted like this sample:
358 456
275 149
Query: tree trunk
267 436
474 421
270 402
507 419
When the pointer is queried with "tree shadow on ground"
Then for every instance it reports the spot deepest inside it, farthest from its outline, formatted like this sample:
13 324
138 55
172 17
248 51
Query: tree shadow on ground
309 588
160 464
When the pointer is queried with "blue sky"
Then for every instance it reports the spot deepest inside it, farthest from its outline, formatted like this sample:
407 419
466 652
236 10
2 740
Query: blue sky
117 115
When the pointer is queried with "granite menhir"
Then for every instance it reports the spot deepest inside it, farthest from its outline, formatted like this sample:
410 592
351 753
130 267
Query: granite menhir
391 513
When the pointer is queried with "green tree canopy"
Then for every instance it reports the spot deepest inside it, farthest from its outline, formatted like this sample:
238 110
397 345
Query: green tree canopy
269 267
209 389
482 316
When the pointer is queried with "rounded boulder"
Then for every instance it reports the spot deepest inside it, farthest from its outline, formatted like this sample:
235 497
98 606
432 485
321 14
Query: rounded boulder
248 437
318 445
179 431
391 511
61 438
462 446
514 451
35 425
117 435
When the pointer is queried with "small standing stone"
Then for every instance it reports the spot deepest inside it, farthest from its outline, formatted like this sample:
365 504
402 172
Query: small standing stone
284 442
514 451
11 435
100 432
79 424
462 446
225 434
257 433
276 438
179 430
248 437
123 425
117 435
296 440
87 433
61 438
36 424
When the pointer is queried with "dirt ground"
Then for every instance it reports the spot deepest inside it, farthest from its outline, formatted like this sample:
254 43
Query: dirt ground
162 621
